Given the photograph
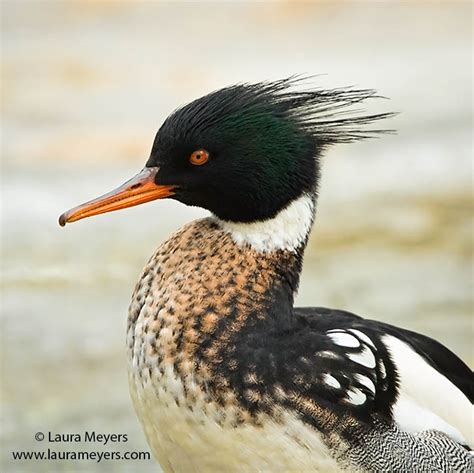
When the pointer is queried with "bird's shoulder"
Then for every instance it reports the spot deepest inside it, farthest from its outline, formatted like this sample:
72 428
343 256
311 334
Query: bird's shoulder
349 365
327 356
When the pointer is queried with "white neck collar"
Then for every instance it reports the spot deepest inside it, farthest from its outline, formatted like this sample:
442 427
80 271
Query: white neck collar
288 230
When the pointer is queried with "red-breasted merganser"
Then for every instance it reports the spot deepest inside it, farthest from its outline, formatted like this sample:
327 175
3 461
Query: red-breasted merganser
225 373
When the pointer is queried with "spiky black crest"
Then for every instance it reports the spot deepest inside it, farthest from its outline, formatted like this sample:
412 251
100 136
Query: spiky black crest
324 113
264 141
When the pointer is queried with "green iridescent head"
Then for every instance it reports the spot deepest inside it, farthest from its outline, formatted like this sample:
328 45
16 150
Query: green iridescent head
262 144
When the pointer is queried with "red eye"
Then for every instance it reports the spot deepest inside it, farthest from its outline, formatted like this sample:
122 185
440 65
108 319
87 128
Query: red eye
199 157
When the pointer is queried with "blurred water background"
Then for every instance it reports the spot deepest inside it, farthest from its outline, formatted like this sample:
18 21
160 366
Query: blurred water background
85 85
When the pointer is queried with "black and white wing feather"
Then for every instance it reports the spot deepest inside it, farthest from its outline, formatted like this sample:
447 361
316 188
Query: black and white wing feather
410 378
387 398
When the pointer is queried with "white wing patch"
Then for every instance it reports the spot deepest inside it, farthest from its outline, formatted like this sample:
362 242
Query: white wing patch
331 381
366 381
361 350
427 399
414 418
364 358
356 396
343 339
365 338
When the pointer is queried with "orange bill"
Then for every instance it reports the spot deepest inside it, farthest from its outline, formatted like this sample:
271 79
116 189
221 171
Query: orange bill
136 191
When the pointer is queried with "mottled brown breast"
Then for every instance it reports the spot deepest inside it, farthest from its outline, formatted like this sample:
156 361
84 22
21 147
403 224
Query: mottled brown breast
198 292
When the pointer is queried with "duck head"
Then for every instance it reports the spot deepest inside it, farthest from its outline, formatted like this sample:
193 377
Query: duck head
244 152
